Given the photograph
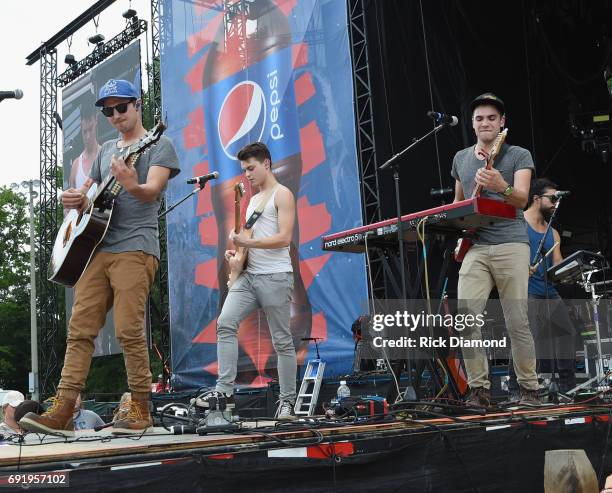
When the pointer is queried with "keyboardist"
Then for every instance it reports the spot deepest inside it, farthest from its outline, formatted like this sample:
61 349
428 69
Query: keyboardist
500 256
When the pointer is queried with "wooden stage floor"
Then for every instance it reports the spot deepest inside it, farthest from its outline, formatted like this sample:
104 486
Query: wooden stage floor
261 450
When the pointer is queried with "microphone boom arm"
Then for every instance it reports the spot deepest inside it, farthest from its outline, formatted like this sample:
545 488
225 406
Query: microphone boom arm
390 161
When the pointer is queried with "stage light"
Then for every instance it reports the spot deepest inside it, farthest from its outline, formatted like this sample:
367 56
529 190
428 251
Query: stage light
128 14
69 59
593 131
96 39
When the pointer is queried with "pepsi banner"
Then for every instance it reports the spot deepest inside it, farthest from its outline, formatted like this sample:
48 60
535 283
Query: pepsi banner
276 71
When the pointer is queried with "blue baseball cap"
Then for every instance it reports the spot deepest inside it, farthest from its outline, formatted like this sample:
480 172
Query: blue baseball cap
117 88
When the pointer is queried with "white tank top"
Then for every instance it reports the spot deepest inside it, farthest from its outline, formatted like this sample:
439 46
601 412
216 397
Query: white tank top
81 177
266 260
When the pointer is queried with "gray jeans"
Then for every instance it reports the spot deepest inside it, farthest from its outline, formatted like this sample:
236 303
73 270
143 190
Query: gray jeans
271 293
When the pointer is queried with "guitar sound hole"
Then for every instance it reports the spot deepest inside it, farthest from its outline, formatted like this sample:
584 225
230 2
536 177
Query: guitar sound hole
67 234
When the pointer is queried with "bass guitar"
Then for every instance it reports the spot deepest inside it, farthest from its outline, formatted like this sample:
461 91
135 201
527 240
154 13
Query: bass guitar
464 244
238 261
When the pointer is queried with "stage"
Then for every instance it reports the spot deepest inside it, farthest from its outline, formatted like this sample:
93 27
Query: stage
498 451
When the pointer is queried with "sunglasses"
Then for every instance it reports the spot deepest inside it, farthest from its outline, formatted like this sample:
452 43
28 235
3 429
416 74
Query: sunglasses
121 108
552 197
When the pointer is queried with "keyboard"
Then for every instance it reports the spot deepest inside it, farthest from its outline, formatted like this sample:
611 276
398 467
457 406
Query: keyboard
450 219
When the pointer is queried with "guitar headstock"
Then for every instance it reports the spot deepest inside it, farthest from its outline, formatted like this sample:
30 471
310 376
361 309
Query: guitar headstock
238 191
499 141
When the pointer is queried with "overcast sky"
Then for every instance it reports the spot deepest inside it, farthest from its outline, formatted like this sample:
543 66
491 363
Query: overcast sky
24 25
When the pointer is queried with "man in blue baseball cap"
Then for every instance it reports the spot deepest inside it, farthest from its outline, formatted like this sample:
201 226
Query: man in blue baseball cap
117 89
122 268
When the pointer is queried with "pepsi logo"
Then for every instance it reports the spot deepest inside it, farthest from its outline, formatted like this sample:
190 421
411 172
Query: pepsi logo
242 118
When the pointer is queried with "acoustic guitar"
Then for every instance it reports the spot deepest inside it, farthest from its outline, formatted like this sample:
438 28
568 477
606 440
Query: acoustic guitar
83 230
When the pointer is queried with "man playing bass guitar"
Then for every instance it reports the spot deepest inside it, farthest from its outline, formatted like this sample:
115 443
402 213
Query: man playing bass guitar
500 256
266 282
122 268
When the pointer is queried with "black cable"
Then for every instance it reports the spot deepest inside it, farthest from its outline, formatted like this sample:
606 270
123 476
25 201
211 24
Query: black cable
431 102
383 66
21 439
333 459
533 146
461 408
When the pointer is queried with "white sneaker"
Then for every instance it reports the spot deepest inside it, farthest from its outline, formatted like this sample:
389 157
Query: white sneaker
285 411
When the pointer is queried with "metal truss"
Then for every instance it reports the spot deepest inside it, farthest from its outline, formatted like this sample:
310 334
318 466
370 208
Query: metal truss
366 142
102 51
161 29
48 313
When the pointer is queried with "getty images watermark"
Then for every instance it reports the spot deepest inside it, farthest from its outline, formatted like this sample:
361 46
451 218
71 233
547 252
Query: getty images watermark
398 329
415 323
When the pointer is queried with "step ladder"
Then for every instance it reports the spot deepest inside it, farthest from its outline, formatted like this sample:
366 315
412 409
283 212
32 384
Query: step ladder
309 390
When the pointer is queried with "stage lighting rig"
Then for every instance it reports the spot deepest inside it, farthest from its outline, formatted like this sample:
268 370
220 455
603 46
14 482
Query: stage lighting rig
69 59
594 131
131 16
96 39
103 50
128 14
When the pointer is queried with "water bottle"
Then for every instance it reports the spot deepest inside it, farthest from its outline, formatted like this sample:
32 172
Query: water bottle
343 390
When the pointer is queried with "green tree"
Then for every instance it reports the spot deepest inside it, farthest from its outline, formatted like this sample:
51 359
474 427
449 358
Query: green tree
14 291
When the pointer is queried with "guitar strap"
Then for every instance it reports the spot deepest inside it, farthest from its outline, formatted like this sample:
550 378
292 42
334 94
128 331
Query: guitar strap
260 207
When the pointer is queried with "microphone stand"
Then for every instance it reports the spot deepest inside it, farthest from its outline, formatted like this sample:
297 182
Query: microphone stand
393 162
201 185
553 390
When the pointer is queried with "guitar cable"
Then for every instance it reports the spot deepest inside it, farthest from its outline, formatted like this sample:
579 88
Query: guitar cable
372 302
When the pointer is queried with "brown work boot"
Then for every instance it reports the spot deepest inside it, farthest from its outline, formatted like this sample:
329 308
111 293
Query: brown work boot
478 397
529 398
138 418
57 420
124 407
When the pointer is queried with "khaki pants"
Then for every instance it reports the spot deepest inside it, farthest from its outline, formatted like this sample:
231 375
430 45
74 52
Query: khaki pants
505 266
121 281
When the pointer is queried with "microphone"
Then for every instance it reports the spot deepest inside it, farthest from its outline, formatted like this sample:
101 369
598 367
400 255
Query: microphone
16 94
204 178
562 193
443 118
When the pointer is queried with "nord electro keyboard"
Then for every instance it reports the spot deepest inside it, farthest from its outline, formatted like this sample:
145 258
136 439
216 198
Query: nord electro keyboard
571 269
450 219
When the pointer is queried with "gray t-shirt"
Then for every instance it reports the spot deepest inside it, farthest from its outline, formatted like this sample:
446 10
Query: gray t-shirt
87 420
133 225
509 161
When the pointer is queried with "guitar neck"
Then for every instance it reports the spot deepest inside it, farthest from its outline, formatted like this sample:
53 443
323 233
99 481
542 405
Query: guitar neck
110 186
237 217
488 165
478 188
